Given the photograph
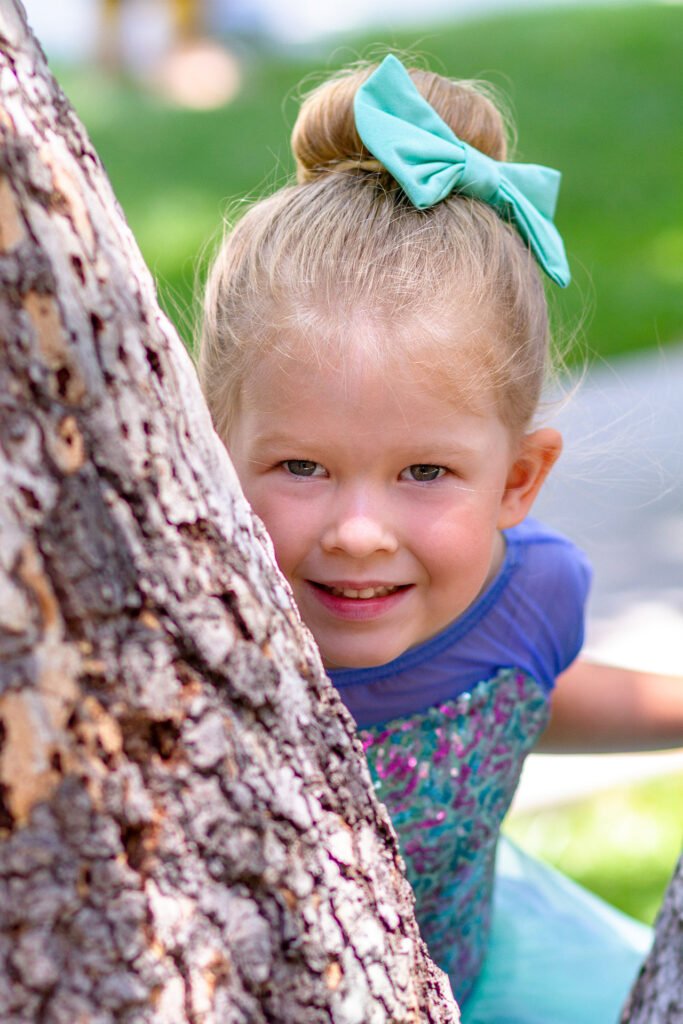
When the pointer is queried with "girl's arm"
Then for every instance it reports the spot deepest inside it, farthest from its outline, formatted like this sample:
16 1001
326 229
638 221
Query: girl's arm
598 707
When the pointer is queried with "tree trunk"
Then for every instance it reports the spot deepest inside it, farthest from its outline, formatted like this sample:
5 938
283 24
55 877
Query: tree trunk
188 832
657 996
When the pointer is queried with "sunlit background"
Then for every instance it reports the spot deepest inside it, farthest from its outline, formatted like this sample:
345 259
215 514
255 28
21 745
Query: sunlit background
190 106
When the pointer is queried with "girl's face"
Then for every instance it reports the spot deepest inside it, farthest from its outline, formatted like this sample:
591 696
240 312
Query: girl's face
384 500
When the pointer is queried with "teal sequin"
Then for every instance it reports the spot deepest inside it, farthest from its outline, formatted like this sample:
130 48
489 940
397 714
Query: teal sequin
447 776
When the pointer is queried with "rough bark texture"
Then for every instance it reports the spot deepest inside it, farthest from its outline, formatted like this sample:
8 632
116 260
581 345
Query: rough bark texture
188 831
657 996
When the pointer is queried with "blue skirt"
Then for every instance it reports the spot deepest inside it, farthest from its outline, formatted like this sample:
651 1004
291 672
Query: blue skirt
557 953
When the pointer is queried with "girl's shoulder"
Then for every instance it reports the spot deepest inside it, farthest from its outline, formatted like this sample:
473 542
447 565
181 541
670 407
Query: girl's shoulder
541 605
544 558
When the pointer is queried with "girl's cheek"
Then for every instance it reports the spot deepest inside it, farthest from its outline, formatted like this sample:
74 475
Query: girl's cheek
457 531
286 522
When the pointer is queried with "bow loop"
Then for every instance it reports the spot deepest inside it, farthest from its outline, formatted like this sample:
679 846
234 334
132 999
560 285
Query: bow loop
428 160
540 185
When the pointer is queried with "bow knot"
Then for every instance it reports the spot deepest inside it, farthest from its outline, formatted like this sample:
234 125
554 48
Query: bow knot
480 176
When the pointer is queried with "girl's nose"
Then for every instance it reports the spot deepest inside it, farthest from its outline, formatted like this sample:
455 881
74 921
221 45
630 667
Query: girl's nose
359 535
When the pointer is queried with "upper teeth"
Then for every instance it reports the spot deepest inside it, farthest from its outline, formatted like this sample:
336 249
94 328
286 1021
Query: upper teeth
365 593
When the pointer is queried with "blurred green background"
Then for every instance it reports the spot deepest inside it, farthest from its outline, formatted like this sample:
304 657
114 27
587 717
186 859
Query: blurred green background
622 843
595 92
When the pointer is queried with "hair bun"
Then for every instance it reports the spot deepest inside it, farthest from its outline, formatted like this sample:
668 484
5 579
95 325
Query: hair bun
324 138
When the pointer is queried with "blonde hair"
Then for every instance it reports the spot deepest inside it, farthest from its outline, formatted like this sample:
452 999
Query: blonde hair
345 243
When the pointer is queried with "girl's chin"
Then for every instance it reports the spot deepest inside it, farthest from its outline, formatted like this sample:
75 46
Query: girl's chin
357 661
360 652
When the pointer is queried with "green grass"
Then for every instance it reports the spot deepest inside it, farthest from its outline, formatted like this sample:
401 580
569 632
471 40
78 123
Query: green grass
596 92
622 844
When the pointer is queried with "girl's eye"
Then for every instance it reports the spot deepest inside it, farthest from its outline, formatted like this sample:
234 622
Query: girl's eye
303 467
422 473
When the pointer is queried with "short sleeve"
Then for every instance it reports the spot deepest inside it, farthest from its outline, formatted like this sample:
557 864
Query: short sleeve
544 604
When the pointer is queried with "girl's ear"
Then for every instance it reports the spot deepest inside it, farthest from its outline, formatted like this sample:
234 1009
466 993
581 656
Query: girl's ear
538 453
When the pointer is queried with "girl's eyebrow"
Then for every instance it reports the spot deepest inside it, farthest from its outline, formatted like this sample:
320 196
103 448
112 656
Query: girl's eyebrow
279 438
445 449
437 450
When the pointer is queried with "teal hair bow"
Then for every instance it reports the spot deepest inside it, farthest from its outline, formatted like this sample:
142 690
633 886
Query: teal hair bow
401 130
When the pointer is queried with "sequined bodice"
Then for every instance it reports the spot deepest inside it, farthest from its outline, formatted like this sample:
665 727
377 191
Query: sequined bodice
447 776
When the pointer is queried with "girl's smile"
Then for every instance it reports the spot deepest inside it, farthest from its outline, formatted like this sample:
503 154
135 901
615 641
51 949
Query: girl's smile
358 601
383 497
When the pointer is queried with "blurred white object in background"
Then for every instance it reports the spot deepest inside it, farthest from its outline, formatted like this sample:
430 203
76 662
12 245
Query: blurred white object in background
200 74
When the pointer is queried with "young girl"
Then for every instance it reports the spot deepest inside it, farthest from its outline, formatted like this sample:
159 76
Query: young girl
374 346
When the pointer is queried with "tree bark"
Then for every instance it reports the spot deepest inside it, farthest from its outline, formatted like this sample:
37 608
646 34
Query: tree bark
657 996
188 832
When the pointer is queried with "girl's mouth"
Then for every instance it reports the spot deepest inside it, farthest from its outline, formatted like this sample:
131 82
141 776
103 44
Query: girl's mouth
360 602
363 594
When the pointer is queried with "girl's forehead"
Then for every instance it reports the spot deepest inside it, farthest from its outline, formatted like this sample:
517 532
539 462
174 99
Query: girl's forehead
360 404
361 359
